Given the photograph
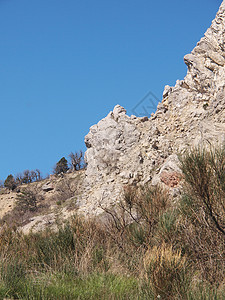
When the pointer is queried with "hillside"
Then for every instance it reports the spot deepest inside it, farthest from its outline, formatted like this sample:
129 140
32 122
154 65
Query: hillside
145 219
123 150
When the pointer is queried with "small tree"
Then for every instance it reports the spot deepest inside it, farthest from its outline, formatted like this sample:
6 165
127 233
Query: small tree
1 184
27 200
10 182
19 178
37 175
77 160
28 176
61 166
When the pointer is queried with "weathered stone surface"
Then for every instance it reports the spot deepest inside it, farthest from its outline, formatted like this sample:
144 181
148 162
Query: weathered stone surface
47 187
171 179
128 150
108 141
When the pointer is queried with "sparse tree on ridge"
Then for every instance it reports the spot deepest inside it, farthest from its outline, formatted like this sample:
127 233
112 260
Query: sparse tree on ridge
10 182
1 184
77 160
61 166
28 176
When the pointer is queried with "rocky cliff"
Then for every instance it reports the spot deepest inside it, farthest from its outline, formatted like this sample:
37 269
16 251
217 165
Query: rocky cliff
130 150
124 150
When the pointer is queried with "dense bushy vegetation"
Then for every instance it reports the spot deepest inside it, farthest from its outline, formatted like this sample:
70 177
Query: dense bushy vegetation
145 248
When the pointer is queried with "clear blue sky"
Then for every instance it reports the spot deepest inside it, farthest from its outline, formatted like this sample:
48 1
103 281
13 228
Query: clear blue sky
65 64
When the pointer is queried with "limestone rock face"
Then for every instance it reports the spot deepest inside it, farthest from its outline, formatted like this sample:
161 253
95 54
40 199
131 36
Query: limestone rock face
205 76
108 141
129 150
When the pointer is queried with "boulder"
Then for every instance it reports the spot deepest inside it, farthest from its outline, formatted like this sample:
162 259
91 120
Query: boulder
47 187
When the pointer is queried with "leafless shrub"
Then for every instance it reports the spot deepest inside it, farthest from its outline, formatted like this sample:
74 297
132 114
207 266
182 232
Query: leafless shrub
66 189
1 184
77 160
28 176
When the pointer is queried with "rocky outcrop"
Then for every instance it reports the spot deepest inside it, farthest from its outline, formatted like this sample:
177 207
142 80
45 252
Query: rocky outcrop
108 141
47 187
129 150
125 150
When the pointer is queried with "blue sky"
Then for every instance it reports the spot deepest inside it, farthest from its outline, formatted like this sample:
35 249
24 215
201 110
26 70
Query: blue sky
65 64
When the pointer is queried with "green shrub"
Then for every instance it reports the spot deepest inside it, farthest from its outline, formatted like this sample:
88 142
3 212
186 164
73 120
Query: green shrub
61 166
27 200
204 173
10 182
135 220
167 229
202 208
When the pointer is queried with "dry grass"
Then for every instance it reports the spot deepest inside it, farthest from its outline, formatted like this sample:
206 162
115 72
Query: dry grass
165 270
174 252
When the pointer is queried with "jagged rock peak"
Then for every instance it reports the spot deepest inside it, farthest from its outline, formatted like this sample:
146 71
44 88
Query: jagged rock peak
118 110
205 63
